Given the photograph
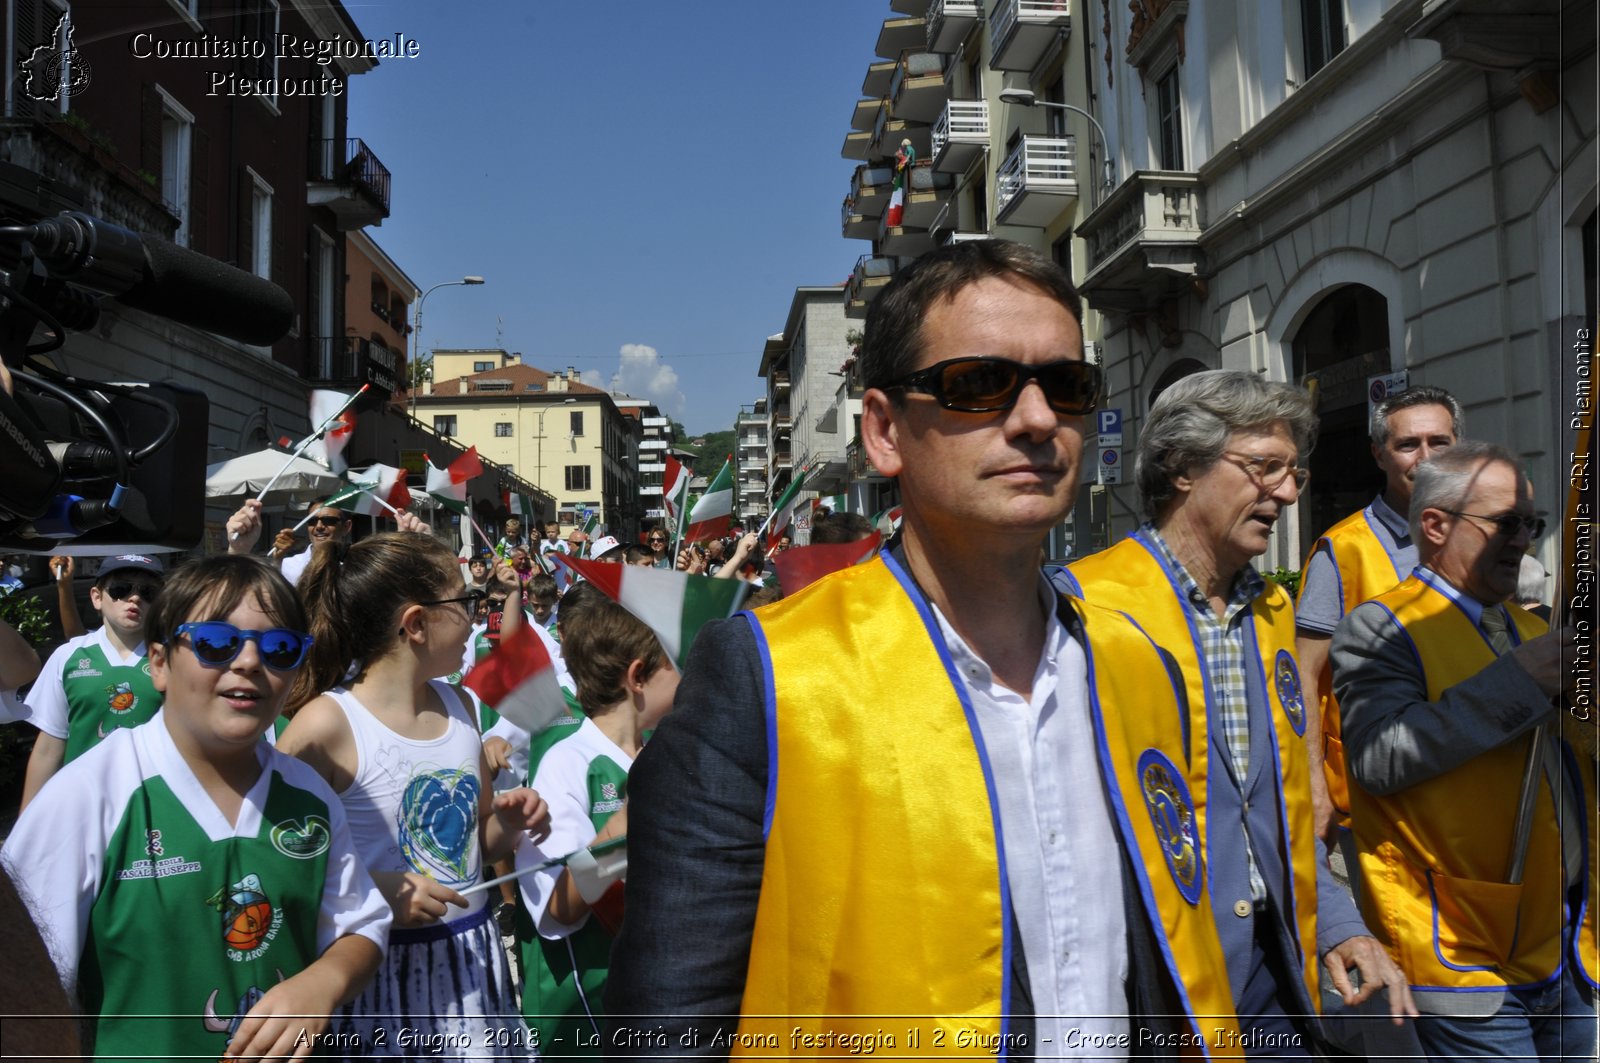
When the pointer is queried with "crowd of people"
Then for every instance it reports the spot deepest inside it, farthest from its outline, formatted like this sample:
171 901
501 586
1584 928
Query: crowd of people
946 801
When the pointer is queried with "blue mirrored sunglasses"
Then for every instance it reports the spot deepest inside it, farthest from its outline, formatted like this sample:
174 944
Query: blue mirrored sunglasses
216 644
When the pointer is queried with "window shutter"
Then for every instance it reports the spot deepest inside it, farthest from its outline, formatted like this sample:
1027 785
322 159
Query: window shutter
150 109
245 222
199 186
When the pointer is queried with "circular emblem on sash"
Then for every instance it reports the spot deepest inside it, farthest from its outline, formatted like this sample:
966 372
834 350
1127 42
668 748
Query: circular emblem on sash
1172 815
1286 677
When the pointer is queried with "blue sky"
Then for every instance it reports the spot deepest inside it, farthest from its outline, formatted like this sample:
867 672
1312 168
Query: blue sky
643 185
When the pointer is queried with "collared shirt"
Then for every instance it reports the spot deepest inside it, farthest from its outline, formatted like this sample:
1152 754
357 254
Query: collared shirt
1060 845
1222 642
1320 606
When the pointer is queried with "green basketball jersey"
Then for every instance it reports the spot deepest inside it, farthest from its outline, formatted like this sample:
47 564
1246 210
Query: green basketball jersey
103 695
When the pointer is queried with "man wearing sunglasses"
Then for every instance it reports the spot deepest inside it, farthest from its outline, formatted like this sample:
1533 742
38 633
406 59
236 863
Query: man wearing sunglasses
1440 683
1218 465
1363 555
884 796
326 524
98 682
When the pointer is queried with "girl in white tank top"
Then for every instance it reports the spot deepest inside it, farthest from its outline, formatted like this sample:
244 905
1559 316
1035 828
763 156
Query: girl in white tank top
403 753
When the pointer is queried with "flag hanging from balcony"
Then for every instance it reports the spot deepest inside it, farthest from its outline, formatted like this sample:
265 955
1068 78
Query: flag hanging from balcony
783 509
712 515
373 492
328 409
449 485
904 159
675 487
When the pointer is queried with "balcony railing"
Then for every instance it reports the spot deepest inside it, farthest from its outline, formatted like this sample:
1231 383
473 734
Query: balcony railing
1144 240
949 22
350 361
354 173
960 134
1022 31
1032 180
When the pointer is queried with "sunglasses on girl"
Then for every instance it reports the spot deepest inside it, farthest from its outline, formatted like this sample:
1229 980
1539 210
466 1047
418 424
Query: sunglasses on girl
989 385
123 589
216 644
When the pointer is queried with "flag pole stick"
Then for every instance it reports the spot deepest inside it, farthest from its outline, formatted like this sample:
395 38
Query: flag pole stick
306 442
556 861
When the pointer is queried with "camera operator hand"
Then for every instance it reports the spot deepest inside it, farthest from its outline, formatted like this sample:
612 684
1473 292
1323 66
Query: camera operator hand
244 527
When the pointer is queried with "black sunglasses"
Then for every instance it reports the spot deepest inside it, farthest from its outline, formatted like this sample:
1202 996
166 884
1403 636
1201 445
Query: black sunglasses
1507 524
216 643
123 589
327 522
989 385
470 599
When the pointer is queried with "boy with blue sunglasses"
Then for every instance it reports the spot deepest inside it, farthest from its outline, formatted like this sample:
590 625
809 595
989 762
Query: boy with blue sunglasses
191 828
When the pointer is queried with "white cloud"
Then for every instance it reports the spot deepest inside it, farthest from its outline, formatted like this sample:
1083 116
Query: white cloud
641 373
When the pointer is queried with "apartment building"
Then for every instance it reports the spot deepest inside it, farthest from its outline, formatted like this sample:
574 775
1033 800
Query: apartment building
652 433
246 159
808 426
1353 195
564 436
752 458
991 100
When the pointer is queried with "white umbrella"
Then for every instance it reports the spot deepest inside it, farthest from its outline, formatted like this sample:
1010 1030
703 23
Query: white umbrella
243 477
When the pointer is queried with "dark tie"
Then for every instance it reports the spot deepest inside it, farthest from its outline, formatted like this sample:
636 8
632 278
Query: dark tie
1494 626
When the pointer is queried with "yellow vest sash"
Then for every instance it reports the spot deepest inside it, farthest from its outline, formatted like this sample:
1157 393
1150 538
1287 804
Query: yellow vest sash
1434 855
1129 577
884 891
1365 570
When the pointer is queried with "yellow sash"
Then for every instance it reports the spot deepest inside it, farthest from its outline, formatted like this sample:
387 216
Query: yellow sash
883 891
1365 570
1129 577
1434 855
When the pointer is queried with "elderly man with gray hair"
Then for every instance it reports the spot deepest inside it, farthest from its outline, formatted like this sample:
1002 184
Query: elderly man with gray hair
1441 682
1218 465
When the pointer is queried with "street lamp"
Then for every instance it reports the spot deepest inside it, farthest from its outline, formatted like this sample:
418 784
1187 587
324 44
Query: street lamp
540 456
416 335
1027 98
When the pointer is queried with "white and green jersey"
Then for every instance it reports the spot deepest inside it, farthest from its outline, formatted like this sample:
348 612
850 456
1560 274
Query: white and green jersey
86 690
123 858
584 778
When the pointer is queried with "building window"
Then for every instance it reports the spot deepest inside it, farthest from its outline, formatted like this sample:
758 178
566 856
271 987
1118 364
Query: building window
577 423
260 226
1322 31
261 24
482 367
1061 252
177 139
502 428
445 425
1169 121
577 477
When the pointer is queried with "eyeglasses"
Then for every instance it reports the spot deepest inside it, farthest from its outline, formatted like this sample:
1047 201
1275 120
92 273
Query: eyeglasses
654 540
1508 524
1269 472
326 522
123 589
469 599
989 385
216 643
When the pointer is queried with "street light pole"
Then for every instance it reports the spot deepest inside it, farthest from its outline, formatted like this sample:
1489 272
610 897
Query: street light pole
416 336
1027 98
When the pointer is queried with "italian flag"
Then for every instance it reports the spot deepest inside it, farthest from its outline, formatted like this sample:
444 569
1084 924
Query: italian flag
897 205
374 491
803 565
449 485
831 503
675 605
892 514
519 680
329 450
520 506
675 487
783 509
591 523
713 514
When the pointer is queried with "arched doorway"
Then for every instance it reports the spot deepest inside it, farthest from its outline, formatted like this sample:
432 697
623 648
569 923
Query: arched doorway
1342 342
1175 372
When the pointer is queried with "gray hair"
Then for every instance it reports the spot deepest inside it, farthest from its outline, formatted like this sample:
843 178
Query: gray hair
1189 425
1445 480
1421 395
